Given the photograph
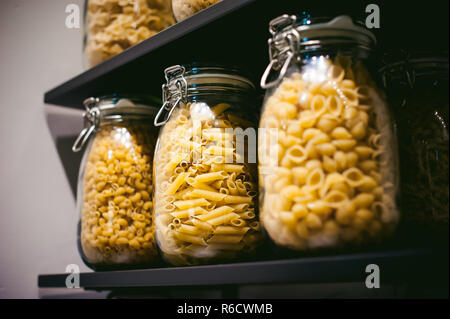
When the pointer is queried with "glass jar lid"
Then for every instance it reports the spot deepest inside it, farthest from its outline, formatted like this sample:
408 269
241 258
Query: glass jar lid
183 82
110 109
207 77
291 36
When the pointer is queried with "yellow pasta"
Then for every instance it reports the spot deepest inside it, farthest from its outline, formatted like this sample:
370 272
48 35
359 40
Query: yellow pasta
213 196
177 183
204 201
210 177
224 219
225 239
188 212
202 225
190 203
188 229
116 207
115 25
230 199
325 184
189 238
223 210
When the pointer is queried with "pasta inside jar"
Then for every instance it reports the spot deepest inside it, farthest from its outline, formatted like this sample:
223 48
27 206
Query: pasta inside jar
328 170
205 186
115 186
183 9
113 26
117 214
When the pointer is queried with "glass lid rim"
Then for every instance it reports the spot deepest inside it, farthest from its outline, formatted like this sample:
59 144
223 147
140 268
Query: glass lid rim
108 106
342 26
197 70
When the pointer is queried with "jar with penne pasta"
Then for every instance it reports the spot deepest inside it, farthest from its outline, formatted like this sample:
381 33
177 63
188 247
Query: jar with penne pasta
115 184
327 152
205 166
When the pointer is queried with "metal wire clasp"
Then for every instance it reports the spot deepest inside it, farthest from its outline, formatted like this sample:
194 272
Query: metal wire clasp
91 122
173 92
282 47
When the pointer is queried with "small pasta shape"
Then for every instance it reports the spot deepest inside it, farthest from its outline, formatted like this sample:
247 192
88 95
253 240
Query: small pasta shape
116 201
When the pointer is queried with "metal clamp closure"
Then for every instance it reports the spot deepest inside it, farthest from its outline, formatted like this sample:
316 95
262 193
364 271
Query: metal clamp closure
173 92
282 47
91 122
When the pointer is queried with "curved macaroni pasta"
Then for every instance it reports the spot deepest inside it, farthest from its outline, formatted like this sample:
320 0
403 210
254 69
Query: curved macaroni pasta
116 207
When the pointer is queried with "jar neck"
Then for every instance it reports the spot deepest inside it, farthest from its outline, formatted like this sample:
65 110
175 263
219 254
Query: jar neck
124 120
101 113
332 48
195 83
218 92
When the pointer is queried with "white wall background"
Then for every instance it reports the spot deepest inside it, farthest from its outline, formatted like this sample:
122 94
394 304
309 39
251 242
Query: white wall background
37 208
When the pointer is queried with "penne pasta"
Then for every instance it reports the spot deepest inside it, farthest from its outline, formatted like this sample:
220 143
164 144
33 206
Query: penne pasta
200 194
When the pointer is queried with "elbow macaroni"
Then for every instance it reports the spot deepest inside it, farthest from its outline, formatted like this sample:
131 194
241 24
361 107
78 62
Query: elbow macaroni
328 181
116 206
211 196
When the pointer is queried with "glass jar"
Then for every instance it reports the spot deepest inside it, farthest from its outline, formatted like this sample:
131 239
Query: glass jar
205 168
417 86
327 153
115 184
183 9
112 26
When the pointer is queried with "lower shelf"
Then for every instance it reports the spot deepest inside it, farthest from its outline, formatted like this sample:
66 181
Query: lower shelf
406 265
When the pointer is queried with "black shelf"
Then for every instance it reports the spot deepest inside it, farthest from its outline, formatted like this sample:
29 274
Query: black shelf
236 32
395 265
134 69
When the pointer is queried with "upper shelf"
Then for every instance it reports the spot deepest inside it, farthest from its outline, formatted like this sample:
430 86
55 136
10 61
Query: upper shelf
236 32
140 67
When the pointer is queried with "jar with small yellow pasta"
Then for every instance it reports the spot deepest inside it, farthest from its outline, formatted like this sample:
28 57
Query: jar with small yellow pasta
115 184
205 166
328 172
112 26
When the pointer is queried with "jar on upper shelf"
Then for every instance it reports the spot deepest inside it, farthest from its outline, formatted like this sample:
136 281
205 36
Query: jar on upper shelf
115 184
327 153
112 26
205 166
417 86
183 9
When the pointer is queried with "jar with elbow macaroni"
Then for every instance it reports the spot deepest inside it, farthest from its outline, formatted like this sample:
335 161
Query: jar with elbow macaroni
327 153
205 167
112 26
115 185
